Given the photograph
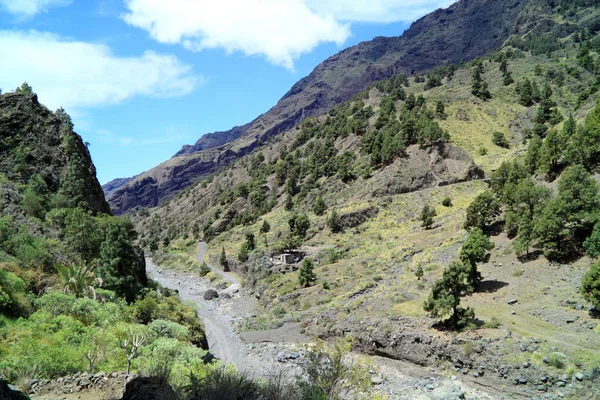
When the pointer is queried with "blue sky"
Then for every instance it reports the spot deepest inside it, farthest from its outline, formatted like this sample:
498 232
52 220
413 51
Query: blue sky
141 78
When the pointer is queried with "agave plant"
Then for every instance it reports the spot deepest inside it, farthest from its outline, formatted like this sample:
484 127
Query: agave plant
79 280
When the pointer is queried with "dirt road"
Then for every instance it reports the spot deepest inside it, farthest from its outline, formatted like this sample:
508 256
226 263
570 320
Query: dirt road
227 276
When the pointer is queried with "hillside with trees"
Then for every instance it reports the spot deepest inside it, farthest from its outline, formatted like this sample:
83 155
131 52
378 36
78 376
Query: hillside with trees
464 198
462 32
74 296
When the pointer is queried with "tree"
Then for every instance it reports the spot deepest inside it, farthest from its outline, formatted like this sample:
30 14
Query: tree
447 201
534 151
419 273
334 223
440 109
446 293
223 260
306 274
503 65
482 211
243 253
131 344
578 191
24 89
122 266
479 87
592 244
265 228
507 79
319 207
551 154
427 215
590 285
525 237
79 280
550 227
500 140
289 203
250 242
474 251
525 93
299 224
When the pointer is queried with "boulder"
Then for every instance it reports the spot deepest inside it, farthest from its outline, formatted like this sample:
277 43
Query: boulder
447 391
144 388
7 393
211 294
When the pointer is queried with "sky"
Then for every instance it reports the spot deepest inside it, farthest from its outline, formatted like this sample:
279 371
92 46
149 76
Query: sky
141 78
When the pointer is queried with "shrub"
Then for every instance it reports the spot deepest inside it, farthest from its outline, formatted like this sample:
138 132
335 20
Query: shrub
447 201
168 329
500 140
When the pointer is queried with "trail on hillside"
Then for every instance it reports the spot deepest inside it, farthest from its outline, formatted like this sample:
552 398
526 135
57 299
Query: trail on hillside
228 277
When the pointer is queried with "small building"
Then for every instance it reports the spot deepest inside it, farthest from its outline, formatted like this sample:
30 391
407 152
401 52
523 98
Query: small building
289 258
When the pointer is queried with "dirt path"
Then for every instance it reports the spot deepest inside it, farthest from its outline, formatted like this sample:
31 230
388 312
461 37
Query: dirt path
227 276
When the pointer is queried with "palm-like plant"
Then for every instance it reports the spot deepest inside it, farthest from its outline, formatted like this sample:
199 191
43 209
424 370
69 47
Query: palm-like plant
79 280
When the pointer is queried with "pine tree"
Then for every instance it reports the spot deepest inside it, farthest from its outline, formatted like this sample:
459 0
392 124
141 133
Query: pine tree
446 293
333 222
419 273
479 87
265 228
121 266
534 151
250 242
474 251
590 285
319 207
306 274
427 215
482 211
525 237
223 260
507 79
243 253
525 93
440 109
289 203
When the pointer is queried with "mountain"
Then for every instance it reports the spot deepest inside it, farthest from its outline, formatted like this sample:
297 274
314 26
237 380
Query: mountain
35 142
465 30
465 199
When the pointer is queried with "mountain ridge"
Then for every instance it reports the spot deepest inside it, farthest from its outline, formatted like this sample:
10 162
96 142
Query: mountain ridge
428 43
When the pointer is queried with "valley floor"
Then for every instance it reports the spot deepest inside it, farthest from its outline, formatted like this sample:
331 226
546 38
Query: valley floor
261 352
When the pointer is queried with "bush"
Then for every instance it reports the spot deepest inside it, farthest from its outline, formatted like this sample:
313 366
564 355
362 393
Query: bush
500 140
447 201
168 329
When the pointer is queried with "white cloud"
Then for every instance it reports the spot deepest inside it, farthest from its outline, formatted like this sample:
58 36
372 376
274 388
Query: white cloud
80 75
280 30
29 8
381 11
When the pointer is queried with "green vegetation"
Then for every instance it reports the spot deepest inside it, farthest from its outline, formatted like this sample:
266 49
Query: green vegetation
427 215
74 295
446 293
475 250
590 286
306 274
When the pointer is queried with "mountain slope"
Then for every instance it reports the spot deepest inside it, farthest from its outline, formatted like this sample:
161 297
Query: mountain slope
373 164
37 142
467 29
